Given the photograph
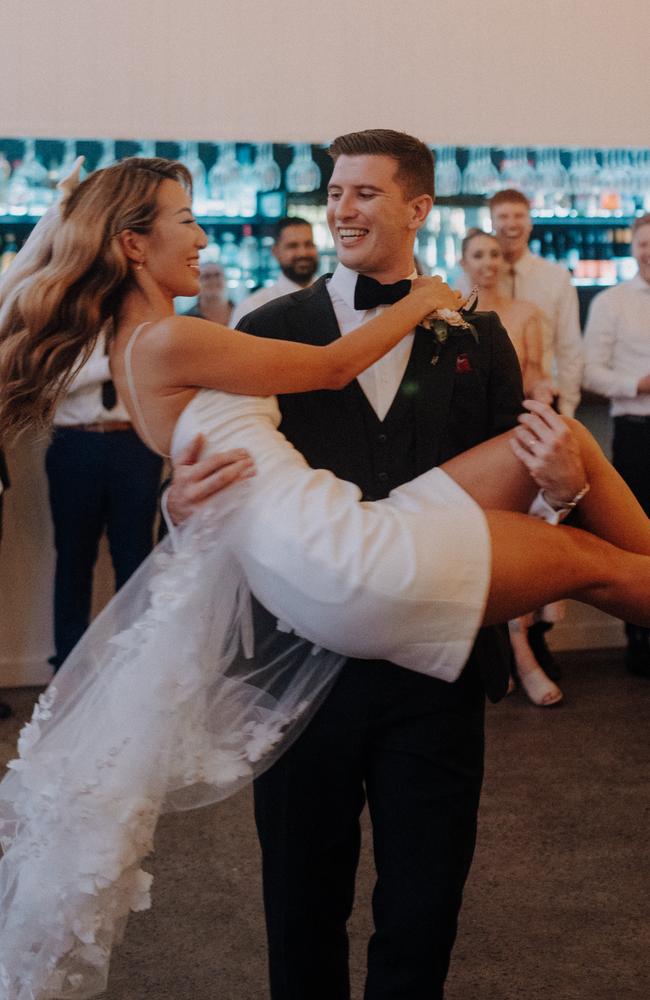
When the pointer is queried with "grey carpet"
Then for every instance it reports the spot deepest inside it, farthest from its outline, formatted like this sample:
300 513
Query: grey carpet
557 904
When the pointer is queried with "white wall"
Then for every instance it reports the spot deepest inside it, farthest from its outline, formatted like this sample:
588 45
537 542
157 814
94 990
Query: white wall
563 72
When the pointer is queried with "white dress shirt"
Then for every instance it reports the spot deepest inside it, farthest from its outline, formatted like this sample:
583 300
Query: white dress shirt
548 285
82 404
283 286
381 381
617 346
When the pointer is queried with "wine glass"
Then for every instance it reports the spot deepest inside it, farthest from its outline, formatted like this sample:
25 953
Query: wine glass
29 189
107 156
268 173
189 155
448 176
223 180
303 173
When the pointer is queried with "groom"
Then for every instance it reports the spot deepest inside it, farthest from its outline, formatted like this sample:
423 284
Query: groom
410 746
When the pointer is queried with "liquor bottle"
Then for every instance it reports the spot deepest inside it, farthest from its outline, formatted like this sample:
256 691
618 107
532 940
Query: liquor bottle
230 260
247 186
561 249
269 267
548 246
5 173
212 252
574 250
249 258
589 268
9 252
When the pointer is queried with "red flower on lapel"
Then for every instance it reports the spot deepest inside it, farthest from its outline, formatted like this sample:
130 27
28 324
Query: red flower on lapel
463 364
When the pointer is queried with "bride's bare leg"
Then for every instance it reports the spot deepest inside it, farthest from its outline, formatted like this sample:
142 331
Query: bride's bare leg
493 475
534 563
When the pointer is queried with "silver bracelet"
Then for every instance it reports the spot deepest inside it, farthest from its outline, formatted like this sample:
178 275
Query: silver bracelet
568 505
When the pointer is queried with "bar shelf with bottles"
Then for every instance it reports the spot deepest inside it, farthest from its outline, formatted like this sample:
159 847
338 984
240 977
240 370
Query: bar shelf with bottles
583 200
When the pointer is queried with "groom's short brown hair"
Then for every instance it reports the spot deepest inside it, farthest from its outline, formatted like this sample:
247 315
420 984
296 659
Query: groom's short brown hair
415 162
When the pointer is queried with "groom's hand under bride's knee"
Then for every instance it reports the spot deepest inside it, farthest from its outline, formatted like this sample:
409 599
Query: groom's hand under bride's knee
544 441
196 479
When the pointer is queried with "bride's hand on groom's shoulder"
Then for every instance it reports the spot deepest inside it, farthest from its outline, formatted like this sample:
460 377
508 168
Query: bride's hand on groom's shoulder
437 293
196 479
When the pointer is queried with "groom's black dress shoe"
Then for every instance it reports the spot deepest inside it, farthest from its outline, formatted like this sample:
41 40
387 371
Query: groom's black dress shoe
5 710
637 656
543 655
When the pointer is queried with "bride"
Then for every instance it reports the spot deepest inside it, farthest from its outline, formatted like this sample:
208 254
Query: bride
155 708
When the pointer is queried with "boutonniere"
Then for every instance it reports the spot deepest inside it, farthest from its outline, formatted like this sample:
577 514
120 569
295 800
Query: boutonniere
448 324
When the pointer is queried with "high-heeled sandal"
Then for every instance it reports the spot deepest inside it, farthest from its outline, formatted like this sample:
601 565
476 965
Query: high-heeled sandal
541 690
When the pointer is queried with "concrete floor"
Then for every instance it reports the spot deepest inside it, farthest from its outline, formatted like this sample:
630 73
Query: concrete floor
556 907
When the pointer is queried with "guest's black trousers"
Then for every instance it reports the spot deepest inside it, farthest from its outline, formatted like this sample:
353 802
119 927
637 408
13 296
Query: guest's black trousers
631 459
97 481
413 747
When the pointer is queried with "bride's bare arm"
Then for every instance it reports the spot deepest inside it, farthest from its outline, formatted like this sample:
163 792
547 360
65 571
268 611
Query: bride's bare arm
194 352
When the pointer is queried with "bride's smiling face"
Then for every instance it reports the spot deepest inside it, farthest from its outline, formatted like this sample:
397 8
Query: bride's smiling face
171 249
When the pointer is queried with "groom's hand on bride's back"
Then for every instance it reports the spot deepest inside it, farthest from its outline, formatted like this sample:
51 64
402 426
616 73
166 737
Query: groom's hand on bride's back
196 479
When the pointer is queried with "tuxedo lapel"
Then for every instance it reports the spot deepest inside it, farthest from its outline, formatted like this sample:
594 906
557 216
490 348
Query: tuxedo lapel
431 386
311 318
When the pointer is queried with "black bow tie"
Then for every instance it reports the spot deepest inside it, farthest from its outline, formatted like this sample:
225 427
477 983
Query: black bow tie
369 293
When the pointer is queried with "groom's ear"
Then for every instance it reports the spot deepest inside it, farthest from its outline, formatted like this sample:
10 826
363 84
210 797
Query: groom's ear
420 208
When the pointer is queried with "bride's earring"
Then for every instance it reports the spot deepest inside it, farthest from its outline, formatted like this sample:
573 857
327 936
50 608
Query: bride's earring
139 265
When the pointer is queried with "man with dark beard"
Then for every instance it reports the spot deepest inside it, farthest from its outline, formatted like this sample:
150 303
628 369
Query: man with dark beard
296 253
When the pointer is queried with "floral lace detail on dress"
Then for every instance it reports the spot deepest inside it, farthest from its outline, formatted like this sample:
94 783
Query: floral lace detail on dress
165 713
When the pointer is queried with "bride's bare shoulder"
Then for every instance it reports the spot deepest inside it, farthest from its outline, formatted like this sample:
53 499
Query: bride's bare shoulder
178 333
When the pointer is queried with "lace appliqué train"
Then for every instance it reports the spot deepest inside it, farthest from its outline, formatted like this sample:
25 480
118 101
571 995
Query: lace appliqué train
156 709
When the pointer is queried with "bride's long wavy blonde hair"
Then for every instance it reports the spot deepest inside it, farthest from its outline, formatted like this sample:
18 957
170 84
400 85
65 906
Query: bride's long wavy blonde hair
53 308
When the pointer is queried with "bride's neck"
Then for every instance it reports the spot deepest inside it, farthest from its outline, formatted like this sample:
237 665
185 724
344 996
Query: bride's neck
141 306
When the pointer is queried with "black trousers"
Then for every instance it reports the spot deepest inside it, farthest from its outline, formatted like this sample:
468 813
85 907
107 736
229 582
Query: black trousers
97 481
631 459
413 746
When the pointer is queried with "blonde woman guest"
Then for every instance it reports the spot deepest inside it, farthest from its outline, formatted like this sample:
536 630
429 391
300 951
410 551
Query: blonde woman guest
482 262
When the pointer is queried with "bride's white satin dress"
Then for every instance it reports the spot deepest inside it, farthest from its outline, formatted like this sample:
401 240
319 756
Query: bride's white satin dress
402 579
157 709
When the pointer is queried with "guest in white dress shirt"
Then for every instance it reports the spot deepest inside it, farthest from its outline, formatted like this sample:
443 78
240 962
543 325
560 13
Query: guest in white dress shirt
548 286
297 254
617 365
101 477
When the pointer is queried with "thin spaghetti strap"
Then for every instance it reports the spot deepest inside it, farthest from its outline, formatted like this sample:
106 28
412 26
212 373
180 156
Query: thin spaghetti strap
144 430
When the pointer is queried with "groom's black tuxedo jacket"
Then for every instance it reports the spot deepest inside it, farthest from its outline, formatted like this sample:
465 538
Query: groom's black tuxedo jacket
472 392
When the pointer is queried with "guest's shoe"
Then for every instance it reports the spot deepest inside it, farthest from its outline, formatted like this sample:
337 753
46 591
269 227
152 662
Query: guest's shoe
5 710
637 656
541 690
543 655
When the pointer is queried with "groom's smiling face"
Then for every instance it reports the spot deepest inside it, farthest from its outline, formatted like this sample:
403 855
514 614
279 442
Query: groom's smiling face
372 222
